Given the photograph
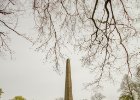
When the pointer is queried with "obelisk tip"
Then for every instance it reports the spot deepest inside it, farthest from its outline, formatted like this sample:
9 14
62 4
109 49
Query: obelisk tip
68 60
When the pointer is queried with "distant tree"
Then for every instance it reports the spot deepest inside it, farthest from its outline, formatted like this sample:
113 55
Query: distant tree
127 88
18 98
137 89
126 97
98 96
131 88
1 92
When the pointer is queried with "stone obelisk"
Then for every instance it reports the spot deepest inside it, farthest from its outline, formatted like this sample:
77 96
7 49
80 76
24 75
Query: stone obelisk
68 82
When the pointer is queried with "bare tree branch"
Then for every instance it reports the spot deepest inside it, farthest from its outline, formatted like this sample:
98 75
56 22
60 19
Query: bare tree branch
96 27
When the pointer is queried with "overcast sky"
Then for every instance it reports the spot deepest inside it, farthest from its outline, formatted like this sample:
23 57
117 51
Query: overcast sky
26 74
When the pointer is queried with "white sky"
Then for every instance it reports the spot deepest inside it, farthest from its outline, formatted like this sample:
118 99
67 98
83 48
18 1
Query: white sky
27 75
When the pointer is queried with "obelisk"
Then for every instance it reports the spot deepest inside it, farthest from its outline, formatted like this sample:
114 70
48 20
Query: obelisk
68 82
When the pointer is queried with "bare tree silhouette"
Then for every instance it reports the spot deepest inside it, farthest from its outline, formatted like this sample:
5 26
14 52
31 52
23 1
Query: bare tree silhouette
9 11
100 29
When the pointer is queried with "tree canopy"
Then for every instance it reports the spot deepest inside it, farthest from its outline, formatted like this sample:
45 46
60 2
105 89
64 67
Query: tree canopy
130 88
1 91
18 98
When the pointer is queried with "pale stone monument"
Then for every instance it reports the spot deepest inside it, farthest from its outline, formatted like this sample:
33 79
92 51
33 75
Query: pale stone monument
68 82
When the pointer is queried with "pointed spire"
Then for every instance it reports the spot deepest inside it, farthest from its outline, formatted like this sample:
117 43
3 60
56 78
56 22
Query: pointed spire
68 82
